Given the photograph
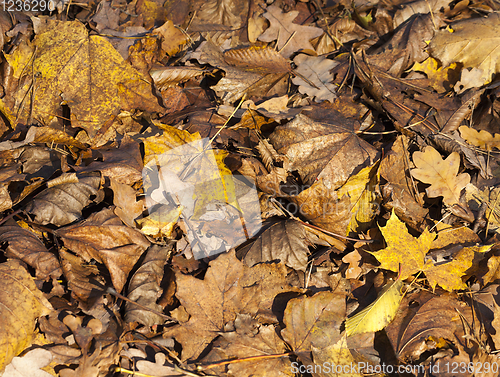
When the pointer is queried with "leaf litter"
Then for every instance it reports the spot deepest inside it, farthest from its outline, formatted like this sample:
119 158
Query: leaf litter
243 188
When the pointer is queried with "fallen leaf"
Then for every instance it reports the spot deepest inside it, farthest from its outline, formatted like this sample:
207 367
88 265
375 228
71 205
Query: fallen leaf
103 237
64 56
482 139
167 77
441 174
338 358
144 288
290 37
30 365
316 70
379 313
406 254
21 304
62 203
313 321
472 42
26 246
285 242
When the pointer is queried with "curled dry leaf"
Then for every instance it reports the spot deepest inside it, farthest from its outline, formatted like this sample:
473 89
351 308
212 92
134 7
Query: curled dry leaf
63 203
21 303
166 77
25 245
144 288
379 313
106 239
441 174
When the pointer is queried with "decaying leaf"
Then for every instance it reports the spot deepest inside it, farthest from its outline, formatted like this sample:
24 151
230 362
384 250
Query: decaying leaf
286 242
21 304
62 203
441 174
84 71
166 77
379 313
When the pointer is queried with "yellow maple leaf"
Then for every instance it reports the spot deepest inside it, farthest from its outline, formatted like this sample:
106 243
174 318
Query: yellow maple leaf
440 78
440 174
482 139
407 254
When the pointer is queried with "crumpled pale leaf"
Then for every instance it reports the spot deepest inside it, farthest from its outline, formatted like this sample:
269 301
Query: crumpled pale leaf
30 364
441 174
472 42
62 203
290 37
84 71
316 69
166 77
379 313
21 303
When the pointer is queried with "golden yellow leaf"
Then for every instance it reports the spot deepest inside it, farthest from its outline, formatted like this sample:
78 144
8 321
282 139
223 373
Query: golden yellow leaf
440 174
21 303
403 250
379 313
362 191
482 139
407 254
438 76
85 72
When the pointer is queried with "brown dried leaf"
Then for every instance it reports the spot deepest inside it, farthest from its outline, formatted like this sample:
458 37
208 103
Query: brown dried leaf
322 151
144 288
441 174
482 139
257 59
25 245
63 203
314 321
286 242
166 77
126 206
290 37
473 42
316 69
106 239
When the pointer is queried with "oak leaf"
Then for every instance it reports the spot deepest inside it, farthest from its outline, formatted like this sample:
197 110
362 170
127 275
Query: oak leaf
482 139
441 174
